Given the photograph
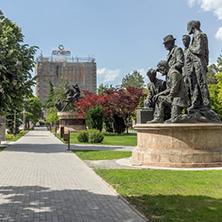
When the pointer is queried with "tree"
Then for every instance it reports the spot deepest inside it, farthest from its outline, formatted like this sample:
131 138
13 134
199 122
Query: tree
53 97
91 100
134 79
94 118
13 119
214 69
102 88
52 116
49 102
13 50
116 101
128 100
33 109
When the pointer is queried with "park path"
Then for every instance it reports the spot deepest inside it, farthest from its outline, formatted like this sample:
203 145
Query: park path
41 181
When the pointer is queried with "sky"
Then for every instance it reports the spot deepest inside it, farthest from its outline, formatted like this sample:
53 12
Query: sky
122 35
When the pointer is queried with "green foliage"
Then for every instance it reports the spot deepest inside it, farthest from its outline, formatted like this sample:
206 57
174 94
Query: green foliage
214 69
119 124
216 95
141 103
33 109
211 78
216 102
52 116
83 136
108 125
49 102
95 136
102 154
12 51
134 79
94 118
13 120
102 88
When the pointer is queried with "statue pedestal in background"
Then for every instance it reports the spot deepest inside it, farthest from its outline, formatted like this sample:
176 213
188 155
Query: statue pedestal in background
144 114
186 145
71 121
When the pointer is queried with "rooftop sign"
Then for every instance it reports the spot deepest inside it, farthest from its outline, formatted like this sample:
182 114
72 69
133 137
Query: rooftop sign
61 51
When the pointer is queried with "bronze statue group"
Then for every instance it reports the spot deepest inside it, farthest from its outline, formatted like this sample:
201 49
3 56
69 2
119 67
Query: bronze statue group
184 96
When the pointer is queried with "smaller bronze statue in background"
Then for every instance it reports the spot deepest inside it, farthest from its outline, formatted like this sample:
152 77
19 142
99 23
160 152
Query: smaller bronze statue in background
73 95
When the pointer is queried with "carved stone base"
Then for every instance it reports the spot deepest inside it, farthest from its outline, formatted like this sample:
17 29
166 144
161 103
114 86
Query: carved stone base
178 145
71 121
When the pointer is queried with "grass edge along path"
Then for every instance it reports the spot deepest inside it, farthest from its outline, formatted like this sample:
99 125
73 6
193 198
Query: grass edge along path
18 136
109 139
164 195
101 154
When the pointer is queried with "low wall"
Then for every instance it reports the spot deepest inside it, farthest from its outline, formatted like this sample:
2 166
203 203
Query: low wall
71 121
178 145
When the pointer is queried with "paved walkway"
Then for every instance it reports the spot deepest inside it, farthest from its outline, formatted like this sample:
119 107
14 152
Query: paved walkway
41 181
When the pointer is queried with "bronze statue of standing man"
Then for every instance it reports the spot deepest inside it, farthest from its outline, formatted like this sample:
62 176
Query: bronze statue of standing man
175 57
199 55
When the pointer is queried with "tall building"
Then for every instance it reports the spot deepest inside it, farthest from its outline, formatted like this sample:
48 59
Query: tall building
75 70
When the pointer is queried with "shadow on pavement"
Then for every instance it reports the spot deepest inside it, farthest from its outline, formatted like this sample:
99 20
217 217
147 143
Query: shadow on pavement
37 203
37 148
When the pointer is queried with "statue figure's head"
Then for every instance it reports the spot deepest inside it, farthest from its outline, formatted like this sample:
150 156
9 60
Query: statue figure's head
151 73
163 67
169 42
186 40
192 26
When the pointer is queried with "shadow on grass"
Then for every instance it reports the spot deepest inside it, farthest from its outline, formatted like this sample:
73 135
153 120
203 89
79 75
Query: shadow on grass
167 208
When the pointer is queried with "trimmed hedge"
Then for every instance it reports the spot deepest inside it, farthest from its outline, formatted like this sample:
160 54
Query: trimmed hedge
95 136
83 136
91 136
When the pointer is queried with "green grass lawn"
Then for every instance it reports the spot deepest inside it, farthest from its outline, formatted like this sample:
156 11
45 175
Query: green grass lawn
109 139
18 136
163 195
101 154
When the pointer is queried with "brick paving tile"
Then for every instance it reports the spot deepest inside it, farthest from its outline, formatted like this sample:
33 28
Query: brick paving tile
41 181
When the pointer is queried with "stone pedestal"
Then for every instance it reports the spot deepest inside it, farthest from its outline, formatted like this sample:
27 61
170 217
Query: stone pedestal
71 121
184 145
144 114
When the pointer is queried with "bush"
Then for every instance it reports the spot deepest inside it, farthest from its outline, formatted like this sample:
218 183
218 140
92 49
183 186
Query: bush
95 136
83 136
94 118
108 125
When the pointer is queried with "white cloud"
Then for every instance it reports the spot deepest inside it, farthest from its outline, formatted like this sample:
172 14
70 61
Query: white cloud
218 35
107 74
214 6
191 2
